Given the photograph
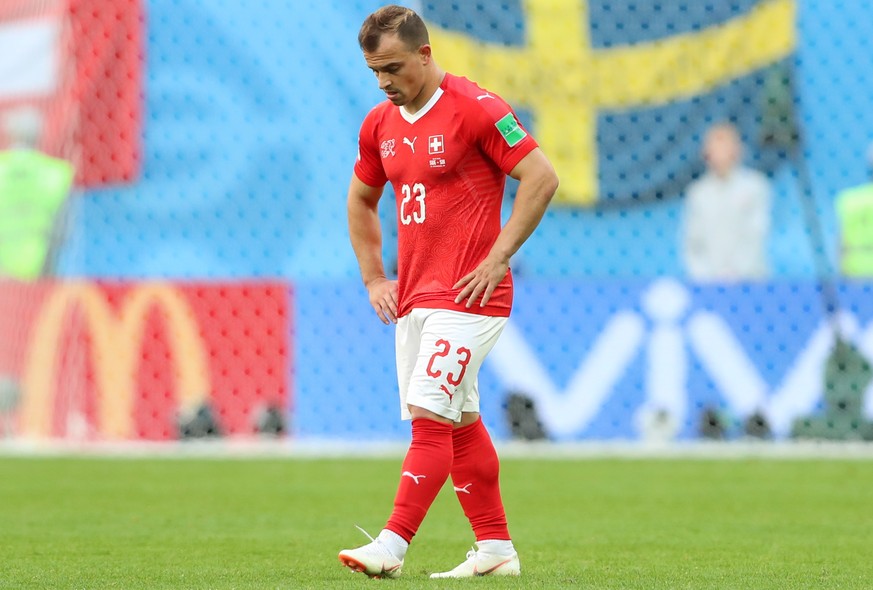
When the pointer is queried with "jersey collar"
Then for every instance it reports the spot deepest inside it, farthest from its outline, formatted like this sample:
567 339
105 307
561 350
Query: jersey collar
410 118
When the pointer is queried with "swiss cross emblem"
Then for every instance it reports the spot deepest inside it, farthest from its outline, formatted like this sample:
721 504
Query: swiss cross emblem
435 144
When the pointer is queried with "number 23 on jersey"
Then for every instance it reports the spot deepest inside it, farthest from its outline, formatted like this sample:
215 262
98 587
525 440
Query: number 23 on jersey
412 204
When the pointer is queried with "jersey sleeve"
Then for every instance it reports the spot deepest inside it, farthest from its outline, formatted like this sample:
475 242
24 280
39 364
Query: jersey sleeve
500 134
368 166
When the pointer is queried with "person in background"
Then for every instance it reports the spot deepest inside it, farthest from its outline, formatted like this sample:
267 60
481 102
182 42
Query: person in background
33 189
726 222
855 217
446 146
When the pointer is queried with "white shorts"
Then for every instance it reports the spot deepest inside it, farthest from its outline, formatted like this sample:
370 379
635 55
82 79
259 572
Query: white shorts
439 353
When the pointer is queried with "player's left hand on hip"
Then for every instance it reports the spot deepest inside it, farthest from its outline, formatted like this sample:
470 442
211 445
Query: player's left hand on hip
482 281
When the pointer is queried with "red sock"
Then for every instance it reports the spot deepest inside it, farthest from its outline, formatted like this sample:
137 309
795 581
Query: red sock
475 472
425 469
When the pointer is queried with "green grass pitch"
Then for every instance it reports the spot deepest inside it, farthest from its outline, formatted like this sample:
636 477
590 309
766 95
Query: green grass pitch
270 523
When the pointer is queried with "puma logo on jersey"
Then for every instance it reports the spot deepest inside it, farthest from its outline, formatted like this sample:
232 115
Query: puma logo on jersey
463 489
411 144
481 96
414 478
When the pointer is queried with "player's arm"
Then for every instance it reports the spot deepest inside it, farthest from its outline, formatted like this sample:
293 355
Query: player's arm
365 232
537 183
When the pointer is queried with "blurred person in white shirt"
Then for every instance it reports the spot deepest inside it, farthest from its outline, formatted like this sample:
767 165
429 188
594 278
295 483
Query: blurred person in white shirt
726 224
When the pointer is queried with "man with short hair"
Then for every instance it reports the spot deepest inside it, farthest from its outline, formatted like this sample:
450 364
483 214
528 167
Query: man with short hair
727 214
446 146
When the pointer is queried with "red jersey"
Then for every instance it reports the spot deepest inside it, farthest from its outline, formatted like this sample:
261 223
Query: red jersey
448 165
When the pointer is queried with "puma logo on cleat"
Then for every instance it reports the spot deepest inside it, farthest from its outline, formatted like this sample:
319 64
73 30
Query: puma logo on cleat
415 478
463 490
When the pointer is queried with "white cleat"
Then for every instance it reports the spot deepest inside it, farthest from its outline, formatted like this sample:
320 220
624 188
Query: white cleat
373 559
479 563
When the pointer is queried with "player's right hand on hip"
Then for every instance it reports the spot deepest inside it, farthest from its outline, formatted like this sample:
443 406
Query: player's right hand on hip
383 298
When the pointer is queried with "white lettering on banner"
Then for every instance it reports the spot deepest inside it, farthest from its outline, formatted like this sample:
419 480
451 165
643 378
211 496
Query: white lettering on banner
726 362
567 413
742 385
865 344
666 302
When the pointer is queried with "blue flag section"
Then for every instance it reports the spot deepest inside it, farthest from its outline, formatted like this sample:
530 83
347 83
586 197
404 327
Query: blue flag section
620 360
667 140
619 93
501 23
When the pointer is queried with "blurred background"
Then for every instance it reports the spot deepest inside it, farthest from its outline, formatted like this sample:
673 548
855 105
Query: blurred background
173 242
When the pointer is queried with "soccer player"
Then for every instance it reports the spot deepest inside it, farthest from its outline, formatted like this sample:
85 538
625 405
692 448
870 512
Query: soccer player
446 145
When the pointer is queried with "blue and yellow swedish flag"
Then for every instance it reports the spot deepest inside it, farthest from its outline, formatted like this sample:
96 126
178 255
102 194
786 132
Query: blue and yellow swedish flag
618 92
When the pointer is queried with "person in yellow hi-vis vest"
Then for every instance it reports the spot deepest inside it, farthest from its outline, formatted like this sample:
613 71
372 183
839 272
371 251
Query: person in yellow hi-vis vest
33 188
855 214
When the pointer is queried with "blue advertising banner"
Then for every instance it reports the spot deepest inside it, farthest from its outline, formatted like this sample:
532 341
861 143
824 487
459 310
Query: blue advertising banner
598 360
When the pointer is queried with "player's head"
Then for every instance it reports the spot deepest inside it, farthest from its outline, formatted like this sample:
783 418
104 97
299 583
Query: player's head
722 148
396 47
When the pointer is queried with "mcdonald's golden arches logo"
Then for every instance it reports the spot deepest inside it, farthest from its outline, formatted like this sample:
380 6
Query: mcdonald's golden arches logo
116 344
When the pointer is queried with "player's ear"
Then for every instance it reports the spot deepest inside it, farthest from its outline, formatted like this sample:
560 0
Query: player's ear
425 54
